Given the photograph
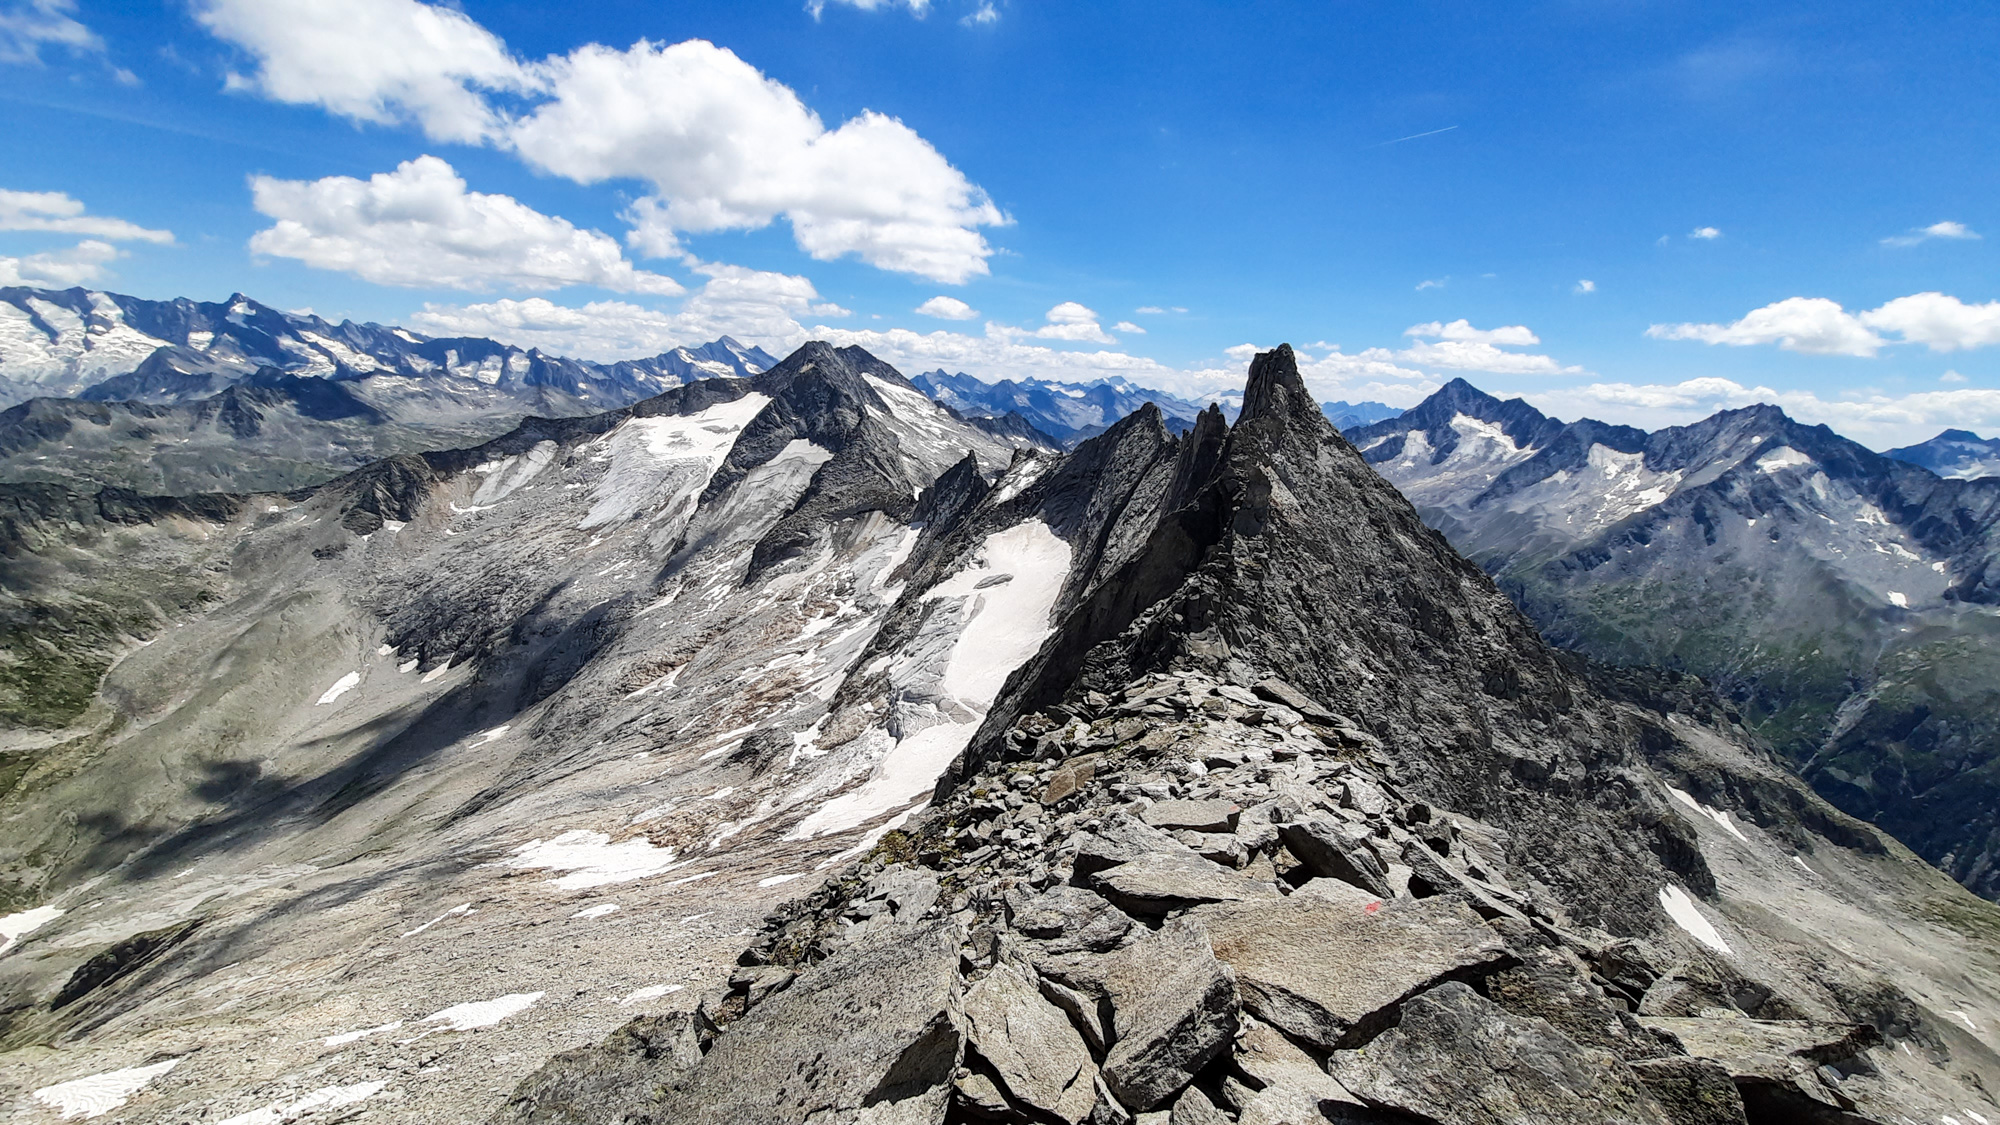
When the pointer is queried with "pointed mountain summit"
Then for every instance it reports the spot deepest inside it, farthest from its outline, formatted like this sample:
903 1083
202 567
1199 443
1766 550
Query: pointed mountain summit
1293 816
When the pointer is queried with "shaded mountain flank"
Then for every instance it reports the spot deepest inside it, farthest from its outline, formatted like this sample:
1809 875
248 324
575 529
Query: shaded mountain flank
1845 601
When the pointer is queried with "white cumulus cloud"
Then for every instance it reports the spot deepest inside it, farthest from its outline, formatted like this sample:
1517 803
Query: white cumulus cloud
1705 234
1458 346
1128 326
1586 286
757 306
1820 326
726 148
26 26
60 269
1812 325
1946 230
57 212
1066 321
720 145
948 308
419 227
374 60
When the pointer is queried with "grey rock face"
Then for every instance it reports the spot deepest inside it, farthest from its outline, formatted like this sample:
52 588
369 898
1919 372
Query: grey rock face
1071 920
1458 1059
1692 1091
1038 1057
1194 816
1289 1085
1173 1010
1779 1066
872 1034
1160 883
1329 973
1327 851
610 1081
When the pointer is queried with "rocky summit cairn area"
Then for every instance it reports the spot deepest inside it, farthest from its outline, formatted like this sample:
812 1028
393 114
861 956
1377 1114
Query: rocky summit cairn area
1293 819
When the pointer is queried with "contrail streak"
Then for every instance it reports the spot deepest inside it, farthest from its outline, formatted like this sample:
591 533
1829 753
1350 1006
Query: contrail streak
1414 136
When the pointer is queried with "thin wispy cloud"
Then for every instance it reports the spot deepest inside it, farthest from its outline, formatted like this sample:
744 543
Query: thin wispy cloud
1947 231
1415 136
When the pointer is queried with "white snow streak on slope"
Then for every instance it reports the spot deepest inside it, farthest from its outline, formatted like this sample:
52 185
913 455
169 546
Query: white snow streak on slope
16 926
592 860
1782 458
461 909
1006 624
598 911
650 992
340 687
99 1094
922 425
505 476
326 1097
1681 908
483 1013
1019 479
346 1037
663 462
1900 601
1716 815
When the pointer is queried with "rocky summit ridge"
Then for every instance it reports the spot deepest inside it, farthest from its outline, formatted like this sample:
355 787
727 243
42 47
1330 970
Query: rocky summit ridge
791 748
1293 817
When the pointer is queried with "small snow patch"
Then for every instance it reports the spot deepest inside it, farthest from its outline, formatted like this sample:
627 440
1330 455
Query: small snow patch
407 666
1681 908
1782 458
436 672
16 926
775 880
486 736
1964 1019
1717 815
1899 600
453 912
483 1013
346 1037
340 687
650 992
598 911
592 860
326 1097
384 650
99 1094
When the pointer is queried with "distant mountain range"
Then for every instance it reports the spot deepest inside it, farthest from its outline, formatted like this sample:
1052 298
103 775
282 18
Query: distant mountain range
1961 454
1071 412
1849 601
186 396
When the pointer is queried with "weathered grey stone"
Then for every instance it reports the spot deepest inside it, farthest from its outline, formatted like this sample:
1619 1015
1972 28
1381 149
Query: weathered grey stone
1364 796
1153 885
1070 919
980 1096
1556 986
1429 876
1084 995
1121 841
1278 691
1291 1086
1459 1059
1692 1091
1038 1057
606 1081
1196 816
1173 1009
1774 1063
877 1025
1330 972
1325 849
1194 1108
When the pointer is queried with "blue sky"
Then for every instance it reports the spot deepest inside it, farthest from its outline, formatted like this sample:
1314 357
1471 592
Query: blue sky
1639 211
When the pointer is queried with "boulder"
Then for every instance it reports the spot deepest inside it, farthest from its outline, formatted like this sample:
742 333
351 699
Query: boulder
1278 691
1331 972
1325 849
1459 1059
1429 876
1692 1091
607 1081
1071 920
1194 816
1122 840
1153 885
1290 1085
876 1025
1038 1058
1194 1108
1779 1066
1173 1008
